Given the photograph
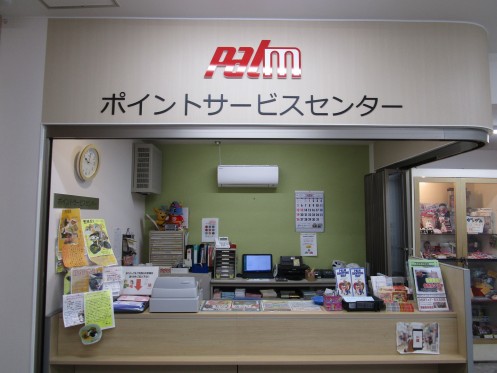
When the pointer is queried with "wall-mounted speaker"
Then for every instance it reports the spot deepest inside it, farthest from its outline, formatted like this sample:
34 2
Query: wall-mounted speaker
147 169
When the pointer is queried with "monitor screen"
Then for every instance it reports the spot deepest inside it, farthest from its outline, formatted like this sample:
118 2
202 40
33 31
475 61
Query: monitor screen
257 263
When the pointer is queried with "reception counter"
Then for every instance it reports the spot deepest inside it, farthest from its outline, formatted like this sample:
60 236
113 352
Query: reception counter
310 341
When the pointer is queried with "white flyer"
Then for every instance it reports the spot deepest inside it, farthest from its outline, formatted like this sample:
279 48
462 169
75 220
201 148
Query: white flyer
73 309
308 244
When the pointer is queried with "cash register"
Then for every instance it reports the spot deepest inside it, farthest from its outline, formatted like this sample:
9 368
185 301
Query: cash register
175 294
292 268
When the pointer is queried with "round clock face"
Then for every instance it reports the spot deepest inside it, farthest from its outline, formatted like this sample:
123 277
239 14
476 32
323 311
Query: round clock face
89 161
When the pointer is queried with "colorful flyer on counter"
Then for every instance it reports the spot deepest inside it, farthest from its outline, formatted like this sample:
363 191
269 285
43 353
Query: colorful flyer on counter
304 305
418 262
276 305
358 277
343 281
113 278
73 309
70 239
418 338
430 289
139 280
217 305
84 279
96 238
246 305
99 309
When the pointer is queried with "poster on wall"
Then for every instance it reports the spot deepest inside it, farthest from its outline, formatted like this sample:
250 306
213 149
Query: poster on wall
308 244
210 228
309 211
71 246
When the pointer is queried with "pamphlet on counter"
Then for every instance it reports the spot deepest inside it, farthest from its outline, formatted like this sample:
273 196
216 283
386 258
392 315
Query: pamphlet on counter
418 338
427 283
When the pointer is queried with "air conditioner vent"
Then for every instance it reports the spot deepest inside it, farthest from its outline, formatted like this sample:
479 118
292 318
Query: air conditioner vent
147 169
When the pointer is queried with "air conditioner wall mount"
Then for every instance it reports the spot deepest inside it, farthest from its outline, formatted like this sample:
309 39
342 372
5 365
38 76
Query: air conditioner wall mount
247 176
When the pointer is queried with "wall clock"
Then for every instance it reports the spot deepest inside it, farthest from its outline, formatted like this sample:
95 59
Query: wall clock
88 162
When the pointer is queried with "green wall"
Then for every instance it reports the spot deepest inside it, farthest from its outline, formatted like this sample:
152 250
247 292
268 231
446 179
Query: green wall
262 220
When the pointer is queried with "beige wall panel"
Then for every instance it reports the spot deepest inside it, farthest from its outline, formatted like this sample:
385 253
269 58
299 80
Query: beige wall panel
389 152
438 72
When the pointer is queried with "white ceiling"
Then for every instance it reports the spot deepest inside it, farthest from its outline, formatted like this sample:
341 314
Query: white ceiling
482 12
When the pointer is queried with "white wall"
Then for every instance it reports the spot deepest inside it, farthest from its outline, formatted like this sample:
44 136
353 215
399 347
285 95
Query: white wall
120 208
22 59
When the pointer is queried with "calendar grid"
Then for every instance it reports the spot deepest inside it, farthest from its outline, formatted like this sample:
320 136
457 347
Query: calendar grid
309 211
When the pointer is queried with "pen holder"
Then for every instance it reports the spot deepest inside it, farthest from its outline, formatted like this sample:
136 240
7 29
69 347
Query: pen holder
309 275
332 302
200 268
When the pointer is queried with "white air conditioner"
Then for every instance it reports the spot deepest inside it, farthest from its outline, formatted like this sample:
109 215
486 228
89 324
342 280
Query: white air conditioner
239 176
147 169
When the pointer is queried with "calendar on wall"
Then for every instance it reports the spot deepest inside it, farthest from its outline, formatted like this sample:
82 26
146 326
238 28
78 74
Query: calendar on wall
309 211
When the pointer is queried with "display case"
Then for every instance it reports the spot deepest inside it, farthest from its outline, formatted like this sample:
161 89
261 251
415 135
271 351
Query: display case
455 221
436 217
481 244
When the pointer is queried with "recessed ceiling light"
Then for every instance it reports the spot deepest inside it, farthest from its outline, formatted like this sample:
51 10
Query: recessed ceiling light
63 4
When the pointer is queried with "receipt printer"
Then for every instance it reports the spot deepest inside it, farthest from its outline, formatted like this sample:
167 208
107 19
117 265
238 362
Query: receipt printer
292 267
175 294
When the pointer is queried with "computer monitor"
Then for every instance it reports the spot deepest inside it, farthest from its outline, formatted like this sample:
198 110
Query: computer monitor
257 265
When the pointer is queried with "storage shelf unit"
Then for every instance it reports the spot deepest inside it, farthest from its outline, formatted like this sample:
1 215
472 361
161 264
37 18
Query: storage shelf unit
166 248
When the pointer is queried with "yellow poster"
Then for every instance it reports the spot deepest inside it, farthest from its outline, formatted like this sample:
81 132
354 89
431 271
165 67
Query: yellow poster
96 238
71 240
99 309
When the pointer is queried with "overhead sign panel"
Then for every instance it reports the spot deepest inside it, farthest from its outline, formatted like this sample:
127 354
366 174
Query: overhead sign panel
267 73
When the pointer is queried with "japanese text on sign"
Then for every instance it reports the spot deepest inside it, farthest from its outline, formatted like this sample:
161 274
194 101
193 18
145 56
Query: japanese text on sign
118 104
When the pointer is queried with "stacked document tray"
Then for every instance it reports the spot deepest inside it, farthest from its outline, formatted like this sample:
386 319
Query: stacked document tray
225 263
166 248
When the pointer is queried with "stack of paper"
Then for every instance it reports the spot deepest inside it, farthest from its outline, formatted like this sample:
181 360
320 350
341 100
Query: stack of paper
268 293
239 293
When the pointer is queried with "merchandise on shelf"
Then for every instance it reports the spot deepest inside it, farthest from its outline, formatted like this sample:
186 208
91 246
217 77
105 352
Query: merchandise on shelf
483 284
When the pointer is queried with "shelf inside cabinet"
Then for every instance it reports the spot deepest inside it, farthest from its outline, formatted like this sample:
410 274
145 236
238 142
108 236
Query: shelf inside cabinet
482 341
482 300
482 257
437 234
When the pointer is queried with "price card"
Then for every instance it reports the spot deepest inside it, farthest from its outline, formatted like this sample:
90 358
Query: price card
309 211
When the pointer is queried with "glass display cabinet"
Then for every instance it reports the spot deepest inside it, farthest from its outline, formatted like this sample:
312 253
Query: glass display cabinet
454 221
436 215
